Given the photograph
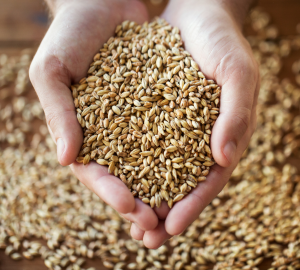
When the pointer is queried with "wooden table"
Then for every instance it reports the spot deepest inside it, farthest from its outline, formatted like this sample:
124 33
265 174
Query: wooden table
23 24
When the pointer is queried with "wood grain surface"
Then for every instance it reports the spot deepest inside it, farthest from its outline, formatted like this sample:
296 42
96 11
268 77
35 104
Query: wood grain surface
23 23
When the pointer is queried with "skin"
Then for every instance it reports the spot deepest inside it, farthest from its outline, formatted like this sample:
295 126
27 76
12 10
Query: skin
211 30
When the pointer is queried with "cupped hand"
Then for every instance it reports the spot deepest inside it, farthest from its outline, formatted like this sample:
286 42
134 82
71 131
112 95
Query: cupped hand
212 34
78 31
211 31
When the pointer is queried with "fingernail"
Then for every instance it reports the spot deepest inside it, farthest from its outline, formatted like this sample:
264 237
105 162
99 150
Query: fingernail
60 148
229 151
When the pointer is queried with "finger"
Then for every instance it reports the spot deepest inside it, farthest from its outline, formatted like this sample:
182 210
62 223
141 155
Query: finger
143 216
193 204
162 211
136 233
57 102
155 238
237 99
108 187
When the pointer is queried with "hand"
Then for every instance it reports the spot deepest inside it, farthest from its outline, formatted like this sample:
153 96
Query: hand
211 31
78 31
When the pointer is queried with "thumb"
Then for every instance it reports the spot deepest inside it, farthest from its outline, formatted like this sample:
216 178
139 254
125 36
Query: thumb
50 80
237 103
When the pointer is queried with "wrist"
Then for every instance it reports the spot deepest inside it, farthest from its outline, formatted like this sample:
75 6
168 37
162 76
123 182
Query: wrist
56 5
236 9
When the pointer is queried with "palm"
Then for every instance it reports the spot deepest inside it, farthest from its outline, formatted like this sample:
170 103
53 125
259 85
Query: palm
223 54
82 50
84 29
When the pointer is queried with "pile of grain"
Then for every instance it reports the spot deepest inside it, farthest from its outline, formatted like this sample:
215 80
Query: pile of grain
147 112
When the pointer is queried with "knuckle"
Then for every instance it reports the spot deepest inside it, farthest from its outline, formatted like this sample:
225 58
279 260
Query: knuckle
237 64
46 66
241 119
248 65
53 65
52 119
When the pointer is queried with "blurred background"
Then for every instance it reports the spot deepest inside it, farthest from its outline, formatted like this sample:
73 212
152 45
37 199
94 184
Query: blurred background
23 23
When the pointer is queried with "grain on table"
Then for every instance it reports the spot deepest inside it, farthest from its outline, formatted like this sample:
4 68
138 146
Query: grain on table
253 220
